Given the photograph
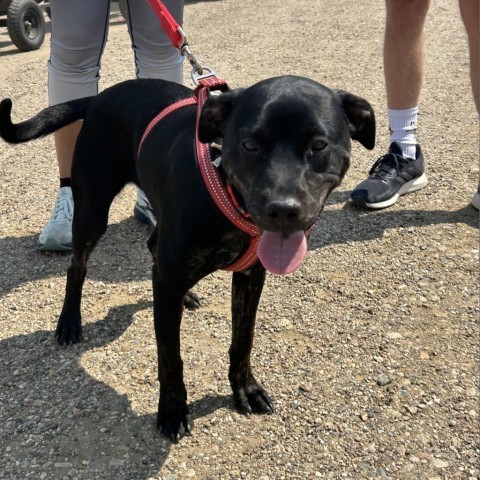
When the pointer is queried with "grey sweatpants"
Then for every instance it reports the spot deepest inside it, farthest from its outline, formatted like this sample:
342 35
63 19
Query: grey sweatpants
79 34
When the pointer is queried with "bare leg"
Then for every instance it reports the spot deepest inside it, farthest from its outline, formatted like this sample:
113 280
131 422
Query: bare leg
469 9
403 59
57 233
404 51
65 140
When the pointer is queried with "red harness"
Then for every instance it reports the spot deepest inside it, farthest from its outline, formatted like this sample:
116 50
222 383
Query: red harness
222 195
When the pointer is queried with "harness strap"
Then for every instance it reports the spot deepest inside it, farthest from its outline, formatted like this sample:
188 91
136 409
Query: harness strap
220 195
214 182
210 174
166 111
247 259
235 201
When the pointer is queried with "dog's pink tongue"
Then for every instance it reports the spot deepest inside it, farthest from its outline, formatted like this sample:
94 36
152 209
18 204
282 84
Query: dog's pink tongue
282 253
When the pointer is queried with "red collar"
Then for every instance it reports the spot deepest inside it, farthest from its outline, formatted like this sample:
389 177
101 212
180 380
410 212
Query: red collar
222 196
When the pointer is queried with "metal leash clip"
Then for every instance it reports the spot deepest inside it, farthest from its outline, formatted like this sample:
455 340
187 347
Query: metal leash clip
198 70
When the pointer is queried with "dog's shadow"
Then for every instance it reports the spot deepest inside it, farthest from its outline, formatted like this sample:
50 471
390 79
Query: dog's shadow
78 422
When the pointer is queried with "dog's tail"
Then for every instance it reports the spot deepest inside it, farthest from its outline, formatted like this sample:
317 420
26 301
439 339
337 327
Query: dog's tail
47 121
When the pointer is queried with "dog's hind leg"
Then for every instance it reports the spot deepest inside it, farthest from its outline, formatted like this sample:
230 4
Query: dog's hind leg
249 395
90 219
88 227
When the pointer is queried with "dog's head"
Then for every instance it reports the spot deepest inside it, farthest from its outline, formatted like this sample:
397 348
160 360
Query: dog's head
286 146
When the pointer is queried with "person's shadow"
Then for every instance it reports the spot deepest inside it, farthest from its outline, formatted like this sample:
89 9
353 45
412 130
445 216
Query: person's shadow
351 224
52 410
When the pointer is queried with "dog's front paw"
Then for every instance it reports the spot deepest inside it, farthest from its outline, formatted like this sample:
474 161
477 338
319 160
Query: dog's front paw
68 331
251 397
191 301
174 421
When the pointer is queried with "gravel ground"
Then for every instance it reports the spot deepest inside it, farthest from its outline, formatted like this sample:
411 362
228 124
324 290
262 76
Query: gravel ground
369 350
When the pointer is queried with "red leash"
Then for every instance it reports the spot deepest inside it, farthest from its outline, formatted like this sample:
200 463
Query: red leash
205 81
169 24
179 39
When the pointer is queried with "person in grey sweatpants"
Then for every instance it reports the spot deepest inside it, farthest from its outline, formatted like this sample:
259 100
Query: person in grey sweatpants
79 34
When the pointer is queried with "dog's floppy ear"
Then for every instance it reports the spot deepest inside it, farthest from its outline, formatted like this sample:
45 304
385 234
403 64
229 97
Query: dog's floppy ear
360 116
215 112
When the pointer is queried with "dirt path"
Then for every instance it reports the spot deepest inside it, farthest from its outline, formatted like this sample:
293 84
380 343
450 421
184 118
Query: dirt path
370 349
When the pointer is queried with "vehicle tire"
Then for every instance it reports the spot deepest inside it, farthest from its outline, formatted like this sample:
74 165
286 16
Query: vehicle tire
26 25
122 5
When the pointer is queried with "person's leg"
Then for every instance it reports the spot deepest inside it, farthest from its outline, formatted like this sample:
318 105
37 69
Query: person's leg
403 60
403 55
401 170
65 140
79 31
469 10
155 57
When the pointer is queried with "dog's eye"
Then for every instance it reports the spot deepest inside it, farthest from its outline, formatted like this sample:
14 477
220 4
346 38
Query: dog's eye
249 146
318 145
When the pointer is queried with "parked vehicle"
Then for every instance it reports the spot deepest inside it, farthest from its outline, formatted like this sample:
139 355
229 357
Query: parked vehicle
25 23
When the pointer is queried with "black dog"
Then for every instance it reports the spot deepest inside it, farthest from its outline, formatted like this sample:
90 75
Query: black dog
286 146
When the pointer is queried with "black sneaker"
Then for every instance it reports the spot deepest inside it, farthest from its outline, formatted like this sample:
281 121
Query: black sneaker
390 177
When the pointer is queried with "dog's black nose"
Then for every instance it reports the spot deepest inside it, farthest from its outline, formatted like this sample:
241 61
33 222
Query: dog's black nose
286 210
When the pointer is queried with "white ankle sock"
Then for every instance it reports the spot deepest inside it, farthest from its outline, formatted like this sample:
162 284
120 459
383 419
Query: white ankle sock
403 126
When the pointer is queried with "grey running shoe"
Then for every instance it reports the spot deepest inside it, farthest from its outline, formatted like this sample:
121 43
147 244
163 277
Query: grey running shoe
57 233
143 210
391 176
